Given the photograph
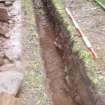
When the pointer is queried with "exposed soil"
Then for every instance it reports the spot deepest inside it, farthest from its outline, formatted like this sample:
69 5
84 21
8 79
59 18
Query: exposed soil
10 43
20 51
65 72
67 81
91 19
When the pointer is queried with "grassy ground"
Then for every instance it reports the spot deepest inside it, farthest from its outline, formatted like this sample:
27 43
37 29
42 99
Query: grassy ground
92 66
80 50
78 43
102 1
33 90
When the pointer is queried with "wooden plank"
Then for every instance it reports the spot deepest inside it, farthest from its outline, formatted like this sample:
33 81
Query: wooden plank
4 15
2 0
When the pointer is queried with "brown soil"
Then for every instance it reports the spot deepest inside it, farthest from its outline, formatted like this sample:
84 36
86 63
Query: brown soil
91 19
65 72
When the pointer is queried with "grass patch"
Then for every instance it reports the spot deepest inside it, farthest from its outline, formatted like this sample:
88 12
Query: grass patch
90 64
34 76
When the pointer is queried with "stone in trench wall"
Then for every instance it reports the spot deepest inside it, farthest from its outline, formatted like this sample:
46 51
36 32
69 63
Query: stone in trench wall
10 82
7 2
10 75
1 61
4 29
3 14
6 99
1 58
12 66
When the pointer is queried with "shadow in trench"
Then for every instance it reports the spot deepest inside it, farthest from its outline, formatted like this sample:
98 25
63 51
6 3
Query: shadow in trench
67 80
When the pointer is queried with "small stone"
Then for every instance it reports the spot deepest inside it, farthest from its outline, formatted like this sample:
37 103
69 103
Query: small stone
10 82
4 15
1 58
7 99
2 1
4 29
1 61
3 32
12 66
7 2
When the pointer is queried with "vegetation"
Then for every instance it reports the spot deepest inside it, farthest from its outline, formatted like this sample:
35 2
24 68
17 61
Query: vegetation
96 78
34 76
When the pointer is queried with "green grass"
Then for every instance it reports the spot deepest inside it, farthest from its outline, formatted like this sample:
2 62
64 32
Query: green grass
34 76
97 79
101 3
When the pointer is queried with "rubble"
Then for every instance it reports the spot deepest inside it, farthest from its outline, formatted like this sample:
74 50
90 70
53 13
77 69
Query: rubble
4 29
1 58
6 99
11 75
3 32
7 2
10 82
1 61
12 66
3 14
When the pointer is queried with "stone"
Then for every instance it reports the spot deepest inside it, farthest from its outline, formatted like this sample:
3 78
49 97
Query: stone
2 1
4 29
10 82
3 32
13 54
1 58
12 66
6 99
7 2
4 15
1 61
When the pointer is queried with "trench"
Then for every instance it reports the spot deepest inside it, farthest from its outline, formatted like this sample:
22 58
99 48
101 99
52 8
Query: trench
67 81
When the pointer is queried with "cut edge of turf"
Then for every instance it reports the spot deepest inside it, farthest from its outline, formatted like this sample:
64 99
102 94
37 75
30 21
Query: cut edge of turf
97 79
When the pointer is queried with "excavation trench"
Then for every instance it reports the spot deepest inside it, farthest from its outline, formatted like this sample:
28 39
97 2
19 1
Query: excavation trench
67 82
